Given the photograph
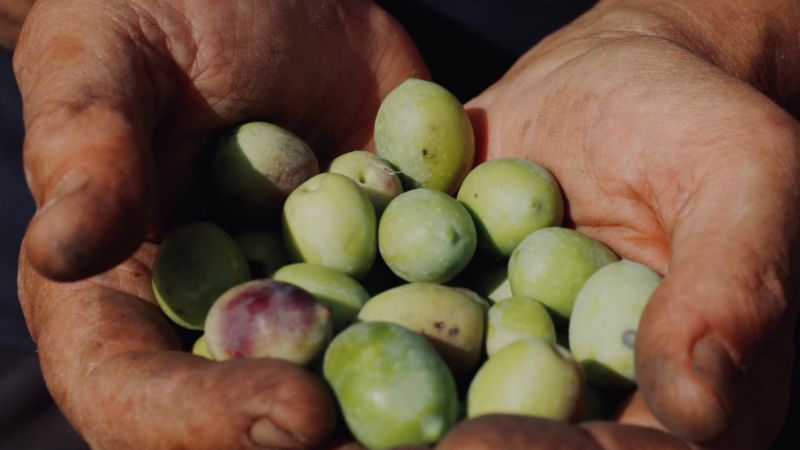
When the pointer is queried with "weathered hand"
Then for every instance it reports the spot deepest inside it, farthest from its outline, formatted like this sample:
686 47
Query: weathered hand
120 100
676 164
121 97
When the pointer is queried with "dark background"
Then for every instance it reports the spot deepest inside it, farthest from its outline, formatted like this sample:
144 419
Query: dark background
467 44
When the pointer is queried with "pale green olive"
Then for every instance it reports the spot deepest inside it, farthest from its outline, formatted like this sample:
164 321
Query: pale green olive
424 132
551 266
509 199
530 377
450 318
200 348
605 319
256 165
329 220
517 318
333 288
426 236
374 174
194 265
392 386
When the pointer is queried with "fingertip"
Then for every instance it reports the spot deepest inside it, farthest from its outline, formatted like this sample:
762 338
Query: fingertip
303 414
691 396
685 357
713 365
82 233
50 257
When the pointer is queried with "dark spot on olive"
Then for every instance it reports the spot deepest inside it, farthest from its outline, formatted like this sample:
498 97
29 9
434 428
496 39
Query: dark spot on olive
438 325
629 338
476 195
424 152
453 332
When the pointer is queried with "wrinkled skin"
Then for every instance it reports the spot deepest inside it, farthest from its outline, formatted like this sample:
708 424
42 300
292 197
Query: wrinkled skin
675 164
120 100
661 155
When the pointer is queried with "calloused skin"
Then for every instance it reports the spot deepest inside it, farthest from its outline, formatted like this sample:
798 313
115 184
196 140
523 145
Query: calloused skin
670 158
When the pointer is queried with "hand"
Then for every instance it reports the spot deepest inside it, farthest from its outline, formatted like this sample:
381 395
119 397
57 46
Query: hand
676 164
120 98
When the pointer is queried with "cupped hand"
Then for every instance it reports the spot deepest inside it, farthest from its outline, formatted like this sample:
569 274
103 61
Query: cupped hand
121 98
676 164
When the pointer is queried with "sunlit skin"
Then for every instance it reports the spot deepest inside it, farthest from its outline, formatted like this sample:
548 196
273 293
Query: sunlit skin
677 165
123 113
661 154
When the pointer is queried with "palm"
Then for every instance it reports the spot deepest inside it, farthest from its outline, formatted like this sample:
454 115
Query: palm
288 63
669 162
158 81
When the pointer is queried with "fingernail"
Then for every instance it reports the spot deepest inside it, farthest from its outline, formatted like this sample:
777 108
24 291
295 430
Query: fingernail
264 433
712 362
69 183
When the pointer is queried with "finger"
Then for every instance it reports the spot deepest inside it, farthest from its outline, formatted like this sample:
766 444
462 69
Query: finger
112 363
528 433
723 306
89 100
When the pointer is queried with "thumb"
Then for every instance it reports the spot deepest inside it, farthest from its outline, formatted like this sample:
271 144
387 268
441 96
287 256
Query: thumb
87 105
721 317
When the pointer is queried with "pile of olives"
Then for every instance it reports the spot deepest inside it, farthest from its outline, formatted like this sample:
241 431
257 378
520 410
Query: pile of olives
423 290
